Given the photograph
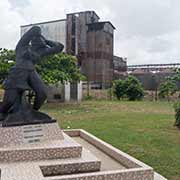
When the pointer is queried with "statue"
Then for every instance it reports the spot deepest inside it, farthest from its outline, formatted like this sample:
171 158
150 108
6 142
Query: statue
14 109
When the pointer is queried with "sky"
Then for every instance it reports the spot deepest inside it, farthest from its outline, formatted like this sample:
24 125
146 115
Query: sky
147 31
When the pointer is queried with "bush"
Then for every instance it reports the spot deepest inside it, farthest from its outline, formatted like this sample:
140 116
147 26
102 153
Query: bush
88 97
167 89
177 114
119 88
134 89
130 88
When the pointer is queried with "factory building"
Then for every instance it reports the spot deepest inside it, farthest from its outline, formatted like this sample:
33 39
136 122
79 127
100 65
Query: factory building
87 38
120 64
53 30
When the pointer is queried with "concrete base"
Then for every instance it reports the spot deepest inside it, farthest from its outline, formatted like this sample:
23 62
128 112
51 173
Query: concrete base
100 161
36 142
21 135
66 148
85 164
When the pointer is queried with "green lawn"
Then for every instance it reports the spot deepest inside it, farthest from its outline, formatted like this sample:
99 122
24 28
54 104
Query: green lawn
142 129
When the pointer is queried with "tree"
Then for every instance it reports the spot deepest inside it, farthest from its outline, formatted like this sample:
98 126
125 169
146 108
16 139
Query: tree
52 69
176 77
59 68
7 60
167 89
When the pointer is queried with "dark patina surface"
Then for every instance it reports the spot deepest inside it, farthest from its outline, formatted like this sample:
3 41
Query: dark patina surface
15 110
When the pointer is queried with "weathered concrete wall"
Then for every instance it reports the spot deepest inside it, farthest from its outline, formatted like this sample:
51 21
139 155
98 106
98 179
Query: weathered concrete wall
65 92
54 94
76 91
60 93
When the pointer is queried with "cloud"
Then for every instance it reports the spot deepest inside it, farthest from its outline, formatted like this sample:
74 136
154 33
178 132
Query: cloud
146 31
10 21
18 3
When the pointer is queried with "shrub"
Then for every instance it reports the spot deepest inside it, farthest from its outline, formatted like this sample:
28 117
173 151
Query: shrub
177 114
119 88
167 89
88 97
134 89
130 88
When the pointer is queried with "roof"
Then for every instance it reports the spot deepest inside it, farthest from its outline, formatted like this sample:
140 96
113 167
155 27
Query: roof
46 22
117 58
84 12
102 22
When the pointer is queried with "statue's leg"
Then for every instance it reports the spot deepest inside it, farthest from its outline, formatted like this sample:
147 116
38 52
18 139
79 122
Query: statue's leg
38 87
9 99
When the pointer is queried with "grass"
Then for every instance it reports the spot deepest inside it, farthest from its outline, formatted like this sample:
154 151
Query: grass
142 129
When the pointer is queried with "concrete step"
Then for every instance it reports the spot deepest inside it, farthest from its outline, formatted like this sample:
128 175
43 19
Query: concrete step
54 149
158 177
85 164
44 169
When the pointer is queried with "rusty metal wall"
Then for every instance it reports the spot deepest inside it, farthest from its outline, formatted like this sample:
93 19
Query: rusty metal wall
150 81
98 65
93 48
80 35
55 30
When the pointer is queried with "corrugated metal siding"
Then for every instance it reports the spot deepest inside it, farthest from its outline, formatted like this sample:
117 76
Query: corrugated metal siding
55 31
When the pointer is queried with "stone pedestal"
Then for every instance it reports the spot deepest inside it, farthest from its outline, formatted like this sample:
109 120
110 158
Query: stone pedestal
22 135
36 142
42 150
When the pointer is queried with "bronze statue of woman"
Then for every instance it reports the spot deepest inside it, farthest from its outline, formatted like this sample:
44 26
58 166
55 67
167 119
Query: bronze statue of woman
23 76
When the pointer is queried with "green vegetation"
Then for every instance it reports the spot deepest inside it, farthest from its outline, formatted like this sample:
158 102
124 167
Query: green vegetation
53 69
119 88
142 129
130 88
59 68
7 58
176 77
167 89
177 114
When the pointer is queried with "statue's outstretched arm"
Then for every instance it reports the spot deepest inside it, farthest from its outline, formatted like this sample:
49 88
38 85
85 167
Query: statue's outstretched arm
27 37
52 48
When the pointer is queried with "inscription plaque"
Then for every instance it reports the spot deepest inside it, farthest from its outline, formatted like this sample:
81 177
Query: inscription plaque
32 133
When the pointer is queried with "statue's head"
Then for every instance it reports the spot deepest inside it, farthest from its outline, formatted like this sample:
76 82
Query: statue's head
38 42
